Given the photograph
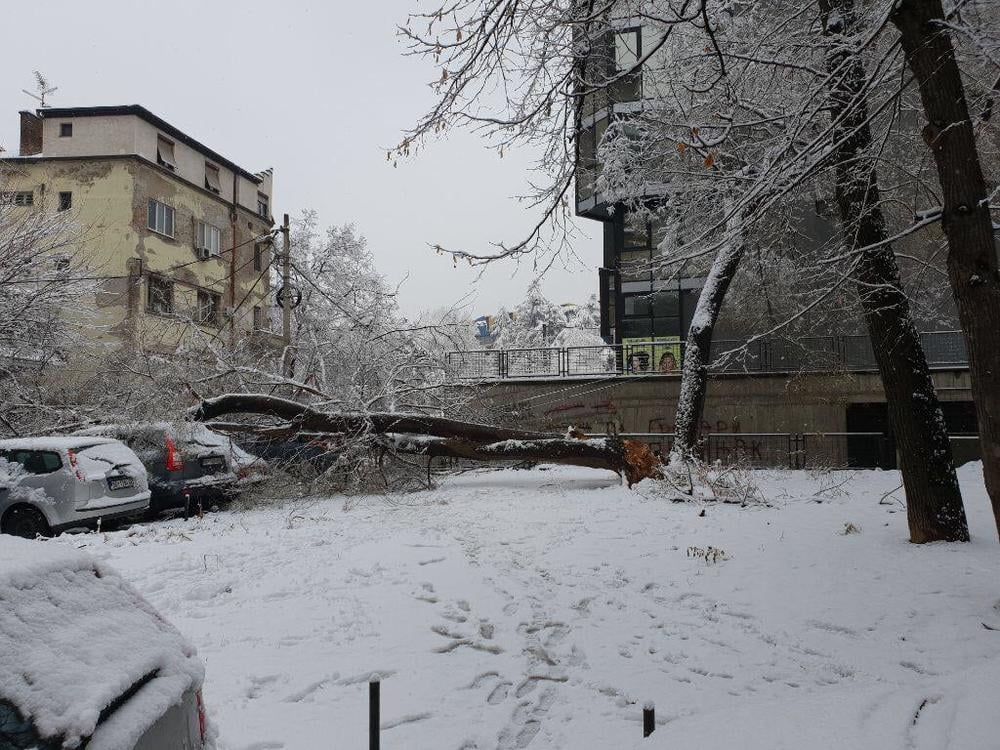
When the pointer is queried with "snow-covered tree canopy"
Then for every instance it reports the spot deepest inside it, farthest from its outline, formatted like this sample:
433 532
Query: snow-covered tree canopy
536 321
353 347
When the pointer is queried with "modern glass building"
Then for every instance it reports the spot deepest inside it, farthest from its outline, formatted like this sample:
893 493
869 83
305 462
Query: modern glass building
638 300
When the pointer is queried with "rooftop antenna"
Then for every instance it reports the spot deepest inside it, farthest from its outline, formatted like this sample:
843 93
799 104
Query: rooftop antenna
42 87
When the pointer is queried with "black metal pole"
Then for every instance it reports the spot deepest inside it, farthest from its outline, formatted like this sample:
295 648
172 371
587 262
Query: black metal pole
648 719
373 715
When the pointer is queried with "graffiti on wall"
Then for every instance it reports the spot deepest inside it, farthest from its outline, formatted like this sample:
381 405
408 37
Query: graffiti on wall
593 416
721 439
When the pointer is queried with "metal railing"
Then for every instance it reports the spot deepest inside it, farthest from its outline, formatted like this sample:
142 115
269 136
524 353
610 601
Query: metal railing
852 353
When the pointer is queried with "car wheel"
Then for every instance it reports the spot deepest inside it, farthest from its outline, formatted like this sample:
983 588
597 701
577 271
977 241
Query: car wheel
25 521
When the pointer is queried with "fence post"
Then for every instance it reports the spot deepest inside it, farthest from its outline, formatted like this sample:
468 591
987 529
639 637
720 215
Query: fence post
373 715
648 718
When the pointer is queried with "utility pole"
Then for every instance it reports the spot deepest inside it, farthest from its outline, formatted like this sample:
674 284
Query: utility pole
288 361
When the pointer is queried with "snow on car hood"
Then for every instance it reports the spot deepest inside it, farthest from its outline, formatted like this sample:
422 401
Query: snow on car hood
74 636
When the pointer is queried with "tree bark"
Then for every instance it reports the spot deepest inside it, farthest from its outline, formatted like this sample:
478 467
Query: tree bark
968 226
438 436
698 347
933 499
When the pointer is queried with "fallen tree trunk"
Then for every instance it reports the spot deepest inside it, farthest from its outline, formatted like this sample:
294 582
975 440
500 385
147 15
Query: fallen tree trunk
440 437
310 420
629 458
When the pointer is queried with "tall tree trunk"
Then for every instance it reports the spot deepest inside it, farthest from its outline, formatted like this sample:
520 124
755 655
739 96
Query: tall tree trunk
972 258
698 347
933 499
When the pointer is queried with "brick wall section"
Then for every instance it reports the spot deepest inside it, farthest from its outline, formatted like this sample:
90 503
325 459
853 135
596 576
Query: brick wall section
31 134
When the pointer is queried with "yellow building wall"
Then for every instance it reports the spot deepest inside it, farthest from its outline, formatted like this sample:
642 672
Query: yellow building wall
109 211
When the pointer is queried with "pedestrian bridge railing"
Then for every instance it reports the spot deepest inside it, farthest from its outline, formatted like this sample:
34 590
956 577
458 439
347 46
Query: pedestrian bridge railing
852 353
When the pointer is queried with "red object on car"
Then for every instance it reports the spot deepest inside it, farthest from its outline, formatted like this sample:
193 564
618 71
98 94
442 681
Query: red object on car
174 460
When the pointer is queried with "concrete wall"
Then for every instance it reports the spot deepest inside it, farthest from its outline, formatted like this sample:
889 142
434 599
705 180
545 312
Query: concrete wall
759 403
92 136
129 134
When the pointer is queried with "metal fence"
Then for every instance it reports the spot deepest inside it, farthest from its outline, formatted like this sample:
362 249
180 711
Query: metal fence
808 354
772 450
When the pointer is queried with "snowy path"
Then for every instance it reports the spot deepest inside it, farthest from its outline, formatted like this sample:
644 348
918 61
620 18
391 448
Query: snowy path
540 609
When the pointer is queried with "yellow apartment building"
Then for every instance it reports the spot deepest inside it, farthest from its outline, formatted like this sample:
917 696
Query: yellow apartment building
179 238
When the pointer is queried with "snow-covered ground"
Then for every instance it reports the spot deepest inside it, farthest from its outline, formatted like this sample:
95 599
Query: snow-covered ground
542 608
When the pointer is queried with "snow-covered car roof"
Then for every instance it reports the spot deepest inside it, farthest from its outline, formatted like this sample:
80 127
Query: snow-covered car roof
53 443
103 429
183 430
74 637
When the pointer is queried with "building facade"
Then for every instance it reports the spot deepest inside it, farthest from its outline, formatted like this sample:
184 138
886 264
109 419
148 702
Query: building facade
178 238
638 300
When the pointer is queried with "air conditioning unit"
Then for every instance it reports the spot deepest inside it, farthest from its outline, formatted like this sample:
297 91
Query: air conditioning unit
203 253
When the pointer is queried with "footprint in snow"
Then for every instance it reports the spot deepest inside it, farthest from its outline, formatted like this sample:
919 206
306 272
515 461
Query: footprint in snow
407 719
499 693
831 627
481 678
525 722
258 682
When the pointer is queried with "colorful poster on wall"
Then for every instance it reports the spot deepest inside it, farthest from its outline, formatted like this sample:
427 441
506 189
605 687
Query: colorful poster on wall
660 355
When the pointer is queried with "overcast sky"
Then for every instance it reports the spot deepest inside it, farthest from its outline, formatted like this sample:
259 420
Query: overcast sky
315 90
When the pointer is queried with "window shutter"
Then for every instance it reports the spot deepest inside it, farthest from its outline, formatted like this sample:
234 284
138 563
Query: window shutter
212 178
165 152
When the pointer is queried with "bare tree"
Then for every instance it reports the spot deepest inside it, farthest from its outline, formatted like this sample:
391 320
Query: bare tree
46 281
934 501
965 215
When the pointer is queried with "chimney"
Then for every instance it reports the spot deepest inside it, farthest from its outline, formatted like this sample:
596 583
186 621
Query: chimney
31 134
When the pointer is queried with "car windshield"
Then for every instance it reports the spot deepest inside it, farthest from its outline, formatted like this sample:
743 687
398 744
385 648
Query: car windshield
18 733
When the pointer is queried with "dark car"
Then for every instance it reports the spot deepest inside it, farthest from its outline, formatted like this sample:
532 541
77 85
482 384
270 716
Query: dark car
309 458
87 661
189 465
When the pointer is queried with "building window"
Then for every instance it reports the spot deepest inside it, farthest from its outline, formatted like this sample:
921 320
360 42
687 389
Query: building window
260 321
628 53
208 240
212 178
160 298
161 218
65 201
19 198
165 153
65 130
263 205
208 307
258 256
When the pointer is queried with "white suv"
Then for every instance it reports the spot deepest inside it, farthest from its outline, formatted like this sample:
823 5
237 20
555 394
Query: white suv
51 484
87 662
